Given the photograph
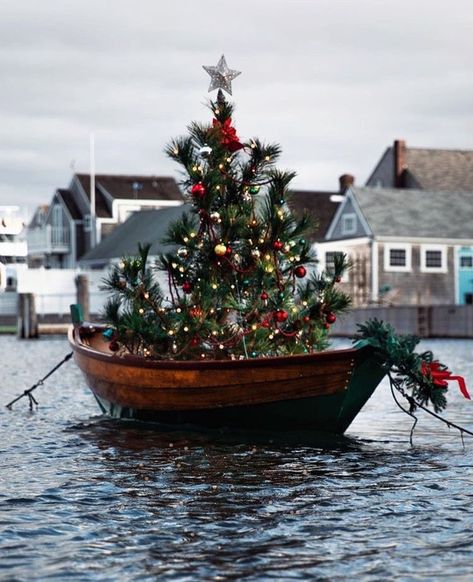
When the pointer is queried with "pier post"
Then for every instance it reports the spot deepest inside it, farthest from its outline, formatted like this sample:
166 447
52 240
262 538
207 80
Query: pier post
82 286
27 325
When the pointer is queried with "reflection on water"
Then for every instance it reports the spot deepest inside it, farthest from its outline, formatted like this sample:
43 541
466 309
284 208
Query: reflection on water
86 498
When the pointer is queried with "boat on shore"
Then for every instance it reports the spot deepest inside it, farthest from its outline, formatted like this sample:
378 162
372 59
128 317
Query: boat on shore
321 392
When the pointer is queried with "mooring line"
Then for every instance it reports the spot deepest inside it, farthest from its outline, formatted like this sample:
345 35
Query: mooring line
414 404
28 392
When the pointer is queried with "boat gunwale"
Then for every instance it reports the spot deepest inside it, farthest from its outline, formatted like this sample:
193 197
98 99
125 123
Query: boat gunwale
133 360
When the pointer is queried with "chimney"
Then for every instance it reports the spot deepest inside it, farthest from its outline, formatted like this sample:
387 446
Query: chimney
346 180
400 163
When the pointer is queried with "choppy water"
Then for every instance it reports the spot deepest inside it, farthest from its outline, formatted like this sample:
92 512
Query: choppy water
86 498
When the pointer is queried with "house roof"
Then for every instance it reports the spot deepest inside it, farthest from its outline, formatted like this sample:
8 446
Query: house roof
39 215
70 203
447 170
133 186
320 205
416 213
146 226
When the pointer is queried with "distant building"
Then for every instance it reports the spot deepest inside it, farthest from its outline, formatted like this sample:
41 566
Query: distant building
13 248
145 226
321 205
408 247
409 233
61 233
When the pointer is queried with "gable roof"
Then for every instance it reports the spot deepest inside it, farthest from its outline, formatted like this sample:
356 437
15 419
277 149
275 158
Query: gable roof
447 170
132 186
424 169
320 205
69 202
146 226
416 213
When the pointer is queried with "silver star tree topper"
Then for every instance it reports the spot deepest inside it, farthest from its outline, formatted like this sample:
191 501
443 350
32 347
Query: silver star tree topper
221 76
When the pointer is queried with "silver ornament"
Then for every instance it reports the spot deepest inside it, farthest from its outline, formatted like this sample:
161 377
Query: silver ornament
205 151
182 252
215 217
221 76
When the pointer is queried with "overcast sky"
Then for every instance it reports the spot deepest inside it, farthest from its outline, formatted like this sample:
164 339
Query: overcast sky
334 82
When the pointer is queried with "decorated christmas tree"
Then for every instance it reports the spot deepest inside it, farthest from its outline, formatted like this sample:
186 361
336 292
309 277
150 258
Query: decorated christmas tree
241 275
241 278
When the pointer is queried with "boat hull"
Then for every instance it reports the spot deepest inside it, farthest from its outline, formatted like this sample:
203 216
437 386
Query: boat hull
318 392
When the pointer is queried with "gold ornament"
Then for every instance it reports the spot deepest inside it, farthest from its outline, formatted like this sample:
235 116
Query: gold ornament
220 250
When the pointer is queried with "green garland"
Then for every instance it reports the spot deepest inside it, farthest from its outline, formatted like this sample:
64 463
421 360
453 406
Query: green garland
410 370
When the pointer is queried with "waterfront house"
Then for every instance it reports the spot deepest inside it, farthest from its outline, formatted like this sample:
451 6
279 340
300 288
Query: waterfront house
145 226
60 234
408 247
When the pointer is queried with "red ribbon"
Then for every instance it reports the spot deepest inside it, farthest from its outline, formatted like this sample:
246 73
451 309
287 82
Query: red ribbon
441 376
229 136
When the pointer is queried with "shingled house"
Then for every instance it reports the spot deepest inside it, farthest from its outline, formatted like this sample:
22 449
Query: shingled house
408 247
409 234
61 234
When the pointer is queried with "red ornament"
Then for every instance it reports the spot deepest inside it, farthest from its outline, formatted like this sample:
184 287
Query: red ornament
306 319
264 296
331 318
266 323
278 245
187 287
228 251
195 341
114 346
198 190
327 325
280 315
300 271
228 135
338 279
196 312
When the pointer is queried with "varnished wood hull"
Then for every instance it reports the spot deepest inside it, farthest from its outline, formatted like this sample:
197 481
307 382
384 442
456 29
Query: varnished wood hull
320 392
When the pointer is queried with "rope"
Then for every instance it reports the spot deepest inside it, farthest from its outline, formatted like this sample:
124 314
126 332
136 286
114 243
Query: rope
28 392
414 404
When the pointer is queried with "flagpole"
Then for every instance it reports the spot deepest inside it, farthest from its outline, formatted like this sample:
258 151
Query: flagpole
93 234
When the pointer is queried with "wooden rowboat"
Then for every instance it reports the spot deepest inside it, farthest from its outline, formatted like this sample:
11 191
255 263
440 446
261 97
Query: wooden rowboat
320 392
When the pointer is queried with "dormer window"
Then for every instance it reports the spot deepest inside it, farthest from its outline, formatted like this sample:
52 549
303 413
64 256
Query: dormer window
349 223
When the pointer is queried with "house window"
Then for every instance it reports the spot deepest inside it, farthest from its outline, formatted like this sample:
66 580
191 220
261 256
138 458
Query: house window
433 259
466 262
397 257
349 224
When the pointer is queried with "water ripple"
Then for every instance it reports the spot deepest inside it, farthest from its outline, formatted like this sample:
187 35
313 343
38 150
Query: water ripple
85 498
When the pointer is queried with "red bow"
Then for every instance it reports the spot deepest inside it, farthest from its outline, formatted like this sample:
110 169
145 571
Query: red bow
441 376
229 136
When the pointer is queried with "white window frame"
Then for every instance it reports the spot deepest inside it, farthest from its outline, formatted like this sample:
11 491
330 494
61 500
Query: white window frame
407 268
346 218
423 259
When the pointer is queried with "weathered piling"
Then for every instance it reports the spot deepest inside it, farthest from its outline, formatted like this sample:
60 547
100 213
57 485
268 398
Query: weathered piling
82 286
27 326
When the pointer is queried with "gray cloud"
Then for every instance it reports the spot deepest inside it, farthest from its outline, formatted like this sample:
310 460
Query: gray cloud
333 81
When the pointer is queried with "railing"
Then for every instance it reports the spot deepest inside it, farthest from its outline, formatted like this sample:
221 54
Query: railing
49 239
